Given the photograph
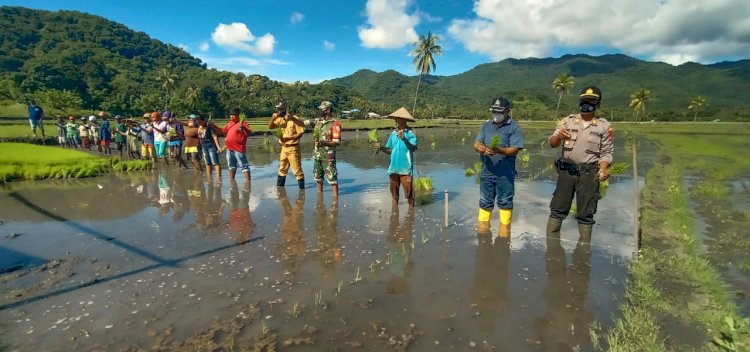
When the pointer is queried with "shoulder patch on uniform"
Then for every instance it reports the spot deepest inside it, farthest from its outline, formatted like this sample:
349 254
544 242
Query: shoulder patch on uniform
611 133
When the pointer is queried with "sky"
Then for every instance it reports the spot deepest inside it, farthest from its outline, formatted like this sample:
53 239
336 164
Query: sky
303 40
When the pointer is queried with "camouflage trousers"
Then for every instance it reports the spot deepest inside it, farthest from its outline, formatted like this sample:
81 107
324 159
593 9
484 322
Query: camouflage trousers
324 163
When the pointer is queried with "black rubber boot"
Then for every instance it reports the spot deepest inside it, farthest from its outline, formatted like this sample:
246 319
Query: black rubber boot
301 183
585 231
280 181
553 227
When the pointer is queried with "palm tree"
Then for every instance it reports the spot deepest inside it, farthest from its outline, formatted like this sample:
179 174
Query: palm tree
697 103
561 85
638 101
424 50
167 79
192 95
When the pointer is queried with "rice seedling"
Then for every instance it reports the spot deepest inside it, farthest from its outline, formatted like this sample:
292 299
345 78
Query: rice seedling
243 116
472 171
372 138
357 278
319 298
279 133
494 142
423 184
618 168
338 289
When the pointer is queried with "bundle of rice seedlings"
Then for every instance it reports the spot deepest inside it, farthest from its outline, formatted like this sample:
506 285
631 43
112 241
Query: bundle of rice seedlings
474 170
494 142
618 168
423 184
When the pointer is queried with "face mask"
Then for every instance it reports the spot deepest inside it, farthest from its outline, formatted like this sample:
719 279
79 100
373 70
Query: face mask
498 117
586 106
282 113
323 112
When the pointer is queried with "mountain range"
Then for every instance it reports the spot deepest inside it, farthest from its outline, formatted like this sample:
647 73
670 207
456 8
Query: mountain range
108 66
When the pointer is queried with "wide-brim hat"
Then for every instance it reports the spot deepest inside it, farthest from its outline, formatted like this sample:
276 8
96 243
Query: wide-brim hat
402 113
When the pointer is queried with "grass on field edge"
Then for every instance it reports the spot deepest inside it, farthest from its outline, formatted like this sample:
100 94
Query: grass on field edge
671 282
31 162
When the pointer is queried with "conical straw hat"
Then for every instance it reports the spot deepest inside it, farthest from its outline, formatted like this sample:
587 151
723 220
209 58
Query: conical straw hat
402 113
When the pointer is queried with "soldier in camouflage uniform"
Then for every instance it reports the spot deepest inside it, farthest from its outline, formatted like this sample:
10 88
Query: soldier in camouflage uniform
587 142
328 133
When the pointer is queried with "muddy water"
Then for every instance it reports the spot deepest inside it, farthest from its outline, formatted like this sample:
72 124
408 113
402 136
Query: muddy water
166 260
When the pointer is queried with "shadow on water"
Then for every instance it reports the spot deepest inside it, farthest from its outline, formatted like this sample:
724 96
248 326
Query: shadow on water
361 271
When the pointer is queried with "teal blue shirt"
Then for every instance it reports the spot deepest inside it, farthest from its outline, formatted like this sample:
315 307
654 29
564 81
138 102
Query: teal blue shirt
402 158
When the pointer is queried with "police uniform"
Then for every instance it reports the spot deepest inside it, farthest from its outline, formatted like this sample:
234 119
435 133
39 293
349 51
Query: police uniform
578 168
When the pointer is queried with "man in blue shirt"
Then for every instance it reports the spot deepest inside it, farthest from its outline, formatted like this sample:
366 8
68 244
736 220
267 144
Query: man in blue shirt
498 142
402 143
35 117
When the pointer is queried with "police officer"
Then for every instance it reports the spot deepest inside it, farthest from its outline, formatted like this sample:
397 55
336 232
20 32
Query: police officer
587 144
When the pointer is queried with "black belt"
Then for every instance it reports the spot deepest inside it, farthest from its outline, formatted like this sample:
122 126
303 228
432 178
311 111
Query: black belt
562 165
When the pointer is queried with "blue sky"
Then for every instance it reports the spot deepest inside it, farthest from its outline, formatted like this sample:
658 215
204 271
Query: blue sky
317 40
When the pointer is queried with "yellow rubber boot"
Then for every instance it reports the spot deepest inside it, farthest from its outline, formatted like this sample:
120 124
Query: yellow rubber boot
484 215
506 215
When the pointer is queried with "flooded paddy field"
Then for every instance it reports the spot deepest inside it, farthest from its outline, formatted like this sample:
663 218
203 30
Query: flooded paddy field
165 260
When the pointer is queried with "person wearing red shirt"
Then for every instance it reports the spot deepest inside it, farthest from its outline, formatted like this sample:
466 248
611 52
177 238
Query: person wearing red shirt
236 133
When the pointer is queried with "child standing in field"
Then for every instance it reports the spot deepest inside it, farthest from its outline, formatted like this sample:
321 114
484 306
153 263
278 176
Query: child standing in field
121 134
105 133
134 131
60 131
192 142
83 131
236 132
71 132
175 135
147 139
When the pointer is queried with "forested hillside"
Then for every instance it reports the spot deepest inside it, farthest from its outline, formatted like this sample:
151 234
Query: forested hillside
71 61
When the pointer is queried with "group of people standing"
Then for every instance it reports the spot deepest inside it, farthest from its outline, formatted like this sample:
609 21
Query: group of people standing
586 140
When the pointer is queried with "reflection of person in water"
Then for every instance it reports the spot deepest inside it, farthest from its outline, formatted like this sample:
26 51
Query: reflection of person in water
328 251
400 239
165 194
197 197
292 249
491 267
239 216
179 197
214 206
566 323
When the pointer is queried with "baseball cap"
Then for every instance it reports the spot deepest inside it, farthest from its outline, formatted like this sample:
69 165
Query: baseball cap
166 114
500 104
591 92
325 105
281 105
193 116
234 111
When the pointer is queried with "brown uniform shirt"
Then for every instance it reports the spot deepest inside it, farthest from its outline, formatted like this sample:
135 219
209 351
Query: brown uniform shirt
289 128
587 144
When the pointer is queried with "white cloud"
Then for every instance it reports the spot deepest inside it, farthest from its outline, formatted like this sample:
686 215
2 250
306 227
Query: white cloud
204 47
237 36
243 64
389 26
296 17
429 18
328 45
182 46
674 31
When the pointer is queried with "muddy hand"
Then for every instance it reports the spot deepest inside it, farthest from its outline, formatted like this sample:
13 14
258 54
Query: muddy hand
603 175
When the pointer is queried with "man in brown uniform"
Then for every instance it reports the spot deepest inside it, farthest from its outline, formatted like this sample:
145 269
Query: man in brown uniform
587 143
292 131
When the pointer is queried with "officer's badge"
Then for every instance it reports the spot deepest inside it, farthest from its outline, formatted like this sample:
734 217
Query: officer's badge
593 122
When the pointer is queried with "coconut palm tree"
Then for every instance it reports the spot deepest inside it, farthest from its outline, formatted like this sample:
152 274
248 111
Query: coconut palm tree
167 79
192 95
638 101
697 103
561 85
424 60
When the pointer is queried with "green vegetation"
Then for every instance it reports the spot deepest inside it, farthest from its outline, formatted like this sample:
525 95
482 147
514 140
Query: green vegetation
494 142
21 161
674 280
423 184
638 102
696 104
372 136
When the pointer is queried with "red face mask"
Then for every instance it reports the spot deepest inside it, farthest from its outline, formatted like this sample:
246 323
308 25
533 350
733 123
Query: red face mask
234 118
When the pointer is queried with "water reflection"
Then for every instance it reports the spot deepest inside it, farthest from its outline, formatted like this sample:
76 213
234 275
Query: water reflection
328 249
291 250
240 221
400 246
489 294
566 321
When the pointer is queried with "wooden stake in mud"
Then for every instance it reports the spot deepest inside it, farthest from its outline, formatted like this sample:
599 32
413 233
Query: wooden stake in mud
446 207
636 206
